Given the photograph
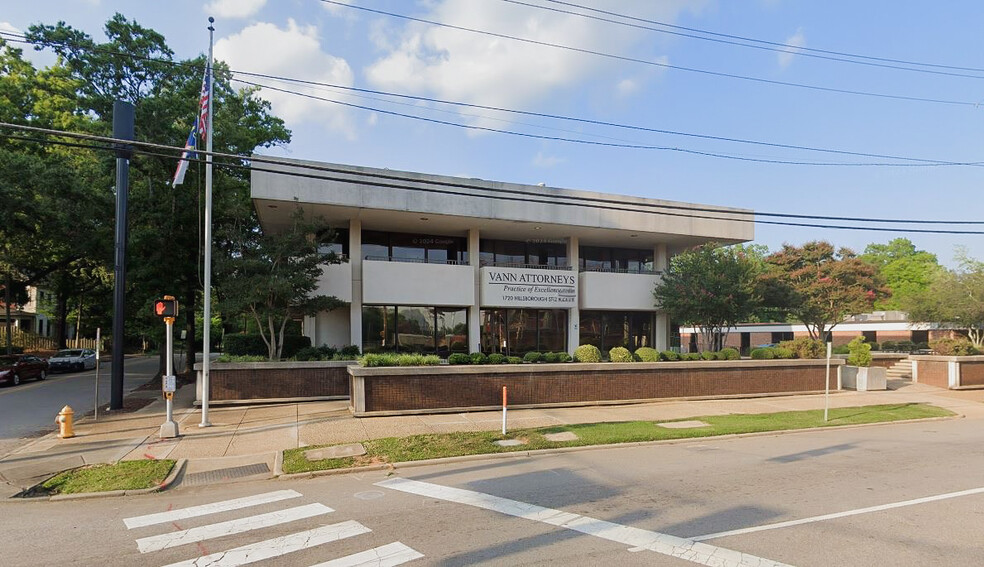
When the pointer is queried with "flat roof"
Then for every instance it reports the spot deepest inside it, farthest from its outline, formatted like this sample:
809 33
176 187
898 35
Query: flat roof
402 201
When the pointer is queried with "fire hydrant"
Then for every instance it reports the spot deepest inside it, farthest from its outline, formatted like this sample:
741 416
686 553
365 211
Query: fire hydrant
64 421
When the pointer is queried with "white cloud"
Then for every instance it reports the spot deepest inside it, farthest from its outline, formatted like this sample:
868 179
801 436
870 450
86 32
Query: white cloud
541 160
39 59
292 52
792 43
469 67
233 8
626 87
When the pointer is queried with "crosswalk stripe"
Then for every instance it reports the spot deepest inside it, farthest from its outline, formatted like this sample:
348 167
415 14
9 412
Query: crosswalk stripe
277 546
237 526
638 539
213 508
387 555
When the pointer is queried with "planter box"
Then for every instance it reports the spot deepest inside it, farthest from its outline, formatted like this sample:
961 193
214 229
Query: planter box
953 372
864 379
436 389
231 382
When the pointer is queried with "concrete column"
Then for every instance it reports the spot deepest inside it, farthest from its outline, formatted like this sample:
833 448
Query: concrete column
661 326
355 259
474 310
574 313
311 329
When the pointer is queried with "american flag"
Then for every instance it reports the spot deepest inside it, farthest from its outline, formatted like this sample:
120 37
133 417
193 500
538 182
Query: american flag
187 154
203 122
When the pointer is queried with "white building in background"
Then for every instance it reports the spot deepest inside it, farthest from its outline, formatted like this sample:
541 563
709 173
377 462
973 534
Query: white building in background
30 317
446 264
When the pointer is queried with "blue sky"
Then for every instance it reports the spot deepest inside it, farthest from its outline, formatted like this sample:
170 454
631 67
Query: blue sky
312 40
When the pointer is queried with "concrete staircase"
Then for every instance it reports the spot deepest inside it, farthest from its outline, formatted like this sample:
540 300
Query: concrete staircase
899 374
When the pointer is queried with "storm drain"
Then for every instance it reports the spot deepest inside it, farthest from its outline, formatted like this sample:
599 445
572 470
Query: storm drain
220 475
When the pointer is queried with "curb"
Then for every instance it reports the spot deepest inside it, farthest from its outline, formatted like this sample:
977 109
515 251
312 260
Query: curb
176 470
561 450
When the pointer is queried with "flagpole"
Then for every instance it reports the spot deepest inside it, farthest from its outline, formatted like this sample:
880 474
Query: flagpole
206 331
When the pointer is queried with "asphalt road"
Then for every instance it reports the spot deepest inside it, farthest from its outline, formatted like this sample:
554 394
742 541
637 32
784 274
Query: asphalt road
847 493
31 406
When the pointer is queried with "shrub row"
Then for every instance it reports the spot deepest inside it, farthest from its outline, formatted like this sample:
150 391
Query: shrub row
325 352
953 347
245 345
390 359
497 358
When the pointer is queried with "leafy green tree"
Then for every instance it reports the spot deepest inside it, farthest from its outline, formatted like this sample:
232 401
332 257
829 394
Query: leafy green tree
905 270
166 245
955 298
273 277
820 286
710 288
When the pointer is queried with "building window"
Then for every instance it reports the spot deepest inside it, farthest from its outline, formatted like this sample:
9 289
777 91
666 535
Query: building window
624 260
515 332
398 246
545 253
782 336
429 330
339 244
609 329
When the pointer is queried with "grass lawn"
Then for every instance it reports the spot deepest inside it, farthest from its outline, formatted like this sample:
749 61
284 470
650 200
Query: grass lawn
125 475
433 446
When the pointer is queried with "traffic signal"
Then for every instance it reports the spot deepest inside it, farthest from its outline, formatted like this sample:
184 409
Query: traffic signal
167 307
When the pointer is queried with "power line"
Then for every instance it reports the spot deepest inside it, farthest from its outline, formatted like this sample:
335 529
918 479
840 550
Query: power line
753 43
502 193
653 63
632 146
922 161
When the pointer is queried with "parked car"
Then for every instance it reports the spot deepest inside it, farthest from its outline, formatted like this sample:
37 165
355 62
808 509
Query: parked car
72 359
17 367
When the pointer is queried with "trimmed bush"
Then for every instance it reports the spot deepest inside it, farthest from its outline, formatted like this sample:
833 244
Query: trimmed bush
496 358
860 352
876 346
323 352
953 347
708 355
240 345
514 360
782 352
563 357
919 346
842 349
532 357
390 359
479 358
647 354
906 346
805 347
349 351
889 346
729 354
587 353
551 357
459 358
764 353
691 356
620 354
245 358
669 356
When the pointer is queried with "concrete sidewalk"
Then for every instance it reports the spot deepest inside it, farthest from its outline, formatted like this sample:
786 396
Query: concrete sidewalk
243 441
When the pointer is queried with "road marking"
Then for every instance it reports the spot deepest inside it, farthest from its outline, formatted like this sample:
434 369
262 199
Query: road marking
384 556
213 508
637 539
277 546
237 526
841 514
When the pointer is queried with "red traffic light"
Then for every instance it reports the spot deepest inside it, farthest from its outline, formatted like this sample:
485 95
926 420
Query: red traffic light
167 307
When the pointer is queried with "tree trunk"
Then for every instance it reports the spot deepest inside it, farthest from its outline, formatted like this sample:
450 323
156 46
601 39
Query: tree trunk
61 314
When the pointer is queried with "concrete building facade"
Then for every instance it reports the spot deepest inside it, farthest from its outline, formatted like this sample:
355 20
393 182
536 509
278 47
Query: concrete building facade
445 264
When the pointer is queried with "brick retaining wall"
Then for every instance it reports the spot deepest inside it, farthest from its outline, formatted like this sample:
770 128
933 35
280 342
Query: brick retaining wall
275 380
459 388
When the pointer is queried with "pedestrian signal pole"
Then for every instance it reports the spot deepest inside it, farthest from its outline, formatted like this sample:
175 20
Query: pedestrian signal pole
167 309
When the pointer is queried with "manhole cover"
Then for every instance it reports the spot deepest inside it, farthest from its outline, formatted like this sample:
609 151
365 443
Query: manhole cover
510 443
683 424
562 436
219 475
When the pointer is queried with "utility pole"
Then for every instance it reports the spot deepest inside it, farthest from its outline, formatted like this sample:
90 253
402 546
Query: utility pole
122 130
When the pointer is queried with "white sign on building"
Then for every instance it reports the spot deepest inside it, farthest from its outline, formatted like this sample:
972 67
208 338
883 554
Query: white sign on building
519 287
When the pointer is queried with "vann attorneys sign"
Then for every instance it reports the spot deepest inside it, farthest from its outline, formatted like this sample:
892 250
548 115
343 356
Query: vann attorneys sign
519 287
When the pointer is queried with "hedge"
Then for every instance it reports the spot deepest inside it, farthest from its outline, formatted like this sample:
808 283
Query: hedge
246 345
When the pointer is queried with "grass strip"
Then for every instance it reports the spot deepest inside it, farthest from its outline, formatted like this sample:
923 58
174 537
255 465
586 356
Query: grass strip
125 475
438 445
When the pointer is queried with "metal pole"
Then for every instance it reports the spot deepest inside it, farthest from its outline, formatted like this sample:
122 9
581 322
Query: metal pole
826 395
169 428
122 129
206 332
98 354
503 410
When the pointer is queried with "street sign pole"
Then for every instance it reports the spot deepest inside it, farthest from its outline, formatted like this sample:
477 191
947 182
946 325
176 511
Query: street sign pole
169 428
826 395
96 416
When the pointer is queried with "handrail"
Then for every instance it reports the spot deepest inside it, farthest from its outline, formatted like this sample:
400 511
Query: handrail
647 271
413 260
525 266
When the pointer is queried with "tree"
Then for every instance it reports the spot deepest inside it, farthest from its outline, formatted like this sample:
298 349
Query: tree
820 286
955 298
905 270
166 249
273 277
710 288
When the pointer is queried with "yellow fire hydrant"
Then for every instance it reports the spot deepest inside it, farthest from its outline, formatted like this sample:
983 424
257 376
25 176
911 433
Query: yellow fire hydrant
64 421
